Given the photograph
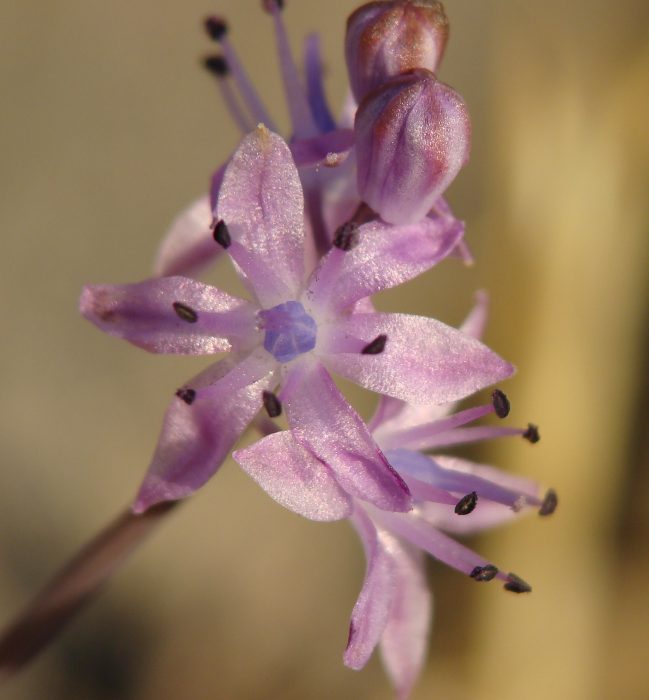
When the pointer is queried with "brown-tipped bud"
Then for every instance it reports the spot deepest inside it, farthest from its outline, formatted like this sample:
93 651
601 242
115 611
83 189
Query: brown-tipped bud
412 137
385 39
550 503
500 403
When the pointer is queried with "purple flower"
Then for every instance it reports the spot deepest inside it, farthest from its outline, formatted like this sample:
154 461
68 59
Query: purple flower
450 495
296 329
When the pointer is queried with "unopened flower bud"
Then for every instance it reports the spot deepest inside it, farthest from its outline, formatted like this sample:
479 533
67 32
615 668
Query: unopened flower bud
385 39
412 137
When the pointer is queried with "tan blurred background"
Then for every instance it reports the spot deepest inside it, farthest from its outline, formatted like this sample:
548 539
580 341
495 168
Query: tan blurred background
108 128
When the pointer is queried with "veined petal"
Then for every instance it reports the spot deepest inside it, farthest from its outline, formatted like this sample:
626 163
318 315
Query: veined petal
174 315
261 203
392 416
385 257
405 637
188 245
200 429
291 475
424 361
372 609
324 423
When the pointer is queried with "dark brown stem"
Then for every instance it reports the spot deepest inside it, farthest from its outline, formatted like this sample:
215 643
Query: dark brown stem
74 586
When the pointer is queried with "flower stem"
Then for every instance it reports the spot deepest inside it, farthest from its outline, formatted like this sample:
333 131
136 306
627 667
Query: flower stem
74 586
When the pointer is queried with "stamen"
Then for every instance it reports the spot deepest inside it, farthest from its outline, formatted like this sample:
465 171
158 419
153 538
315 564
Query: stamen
185 313
500 403
467 504
222 234
187 395
272 404
515 584
298 106
269 5
216 65
484 573
314 86
532 433
550 503
347 236
376 347
215 27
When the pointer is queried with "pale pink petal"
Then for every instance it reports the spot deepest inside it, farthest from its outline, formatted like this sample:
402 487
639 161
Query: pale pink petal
324 423
392 416
189 245
372 609
261 203
291 475
174 315
424 361
405 637
198 435
385 257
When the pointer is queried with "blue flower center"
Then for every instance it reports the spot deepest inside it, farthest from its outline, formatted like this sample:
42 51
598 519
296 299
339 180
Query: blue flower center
290 331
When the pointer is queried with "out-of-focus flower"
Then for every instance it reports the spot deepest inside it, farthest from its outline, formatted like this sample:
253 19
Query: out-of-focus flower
450 495
385 39
292 334
412 137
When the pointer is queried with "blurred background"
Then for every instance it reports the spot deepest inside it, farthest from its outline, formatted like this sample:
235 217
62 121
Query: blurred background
109 127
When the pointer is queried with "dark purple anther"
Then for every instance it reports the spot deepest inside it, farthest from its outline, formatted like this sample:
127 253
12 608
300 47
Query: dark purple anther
222 234
550 503
272 404
376 347
532 433
385 39
515 584
412 137
500 403
185 313
216 28
216 65
187 395
467 504
346 236
484 573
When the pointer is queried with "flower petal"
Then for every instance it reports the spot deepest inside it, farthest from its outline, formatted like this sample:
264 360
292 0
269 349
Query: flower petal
371 611
324 423
262 204
173 315
385 257
405 637
424 361
188 245
197 436
329 150
291 475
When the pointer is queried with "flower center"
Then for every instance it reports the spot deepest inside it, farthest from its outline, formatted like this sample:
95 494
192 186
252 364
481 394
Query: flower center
290 331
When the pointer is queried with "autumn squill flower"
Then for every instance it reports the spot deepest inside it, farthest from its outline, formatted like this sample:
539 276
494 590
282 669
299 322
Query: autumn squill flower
294 331
450 495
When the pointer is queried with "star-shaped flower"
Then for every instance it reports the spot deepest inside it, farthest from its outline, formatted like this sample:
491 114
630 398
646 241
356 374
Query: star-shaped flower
296 329
450 495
